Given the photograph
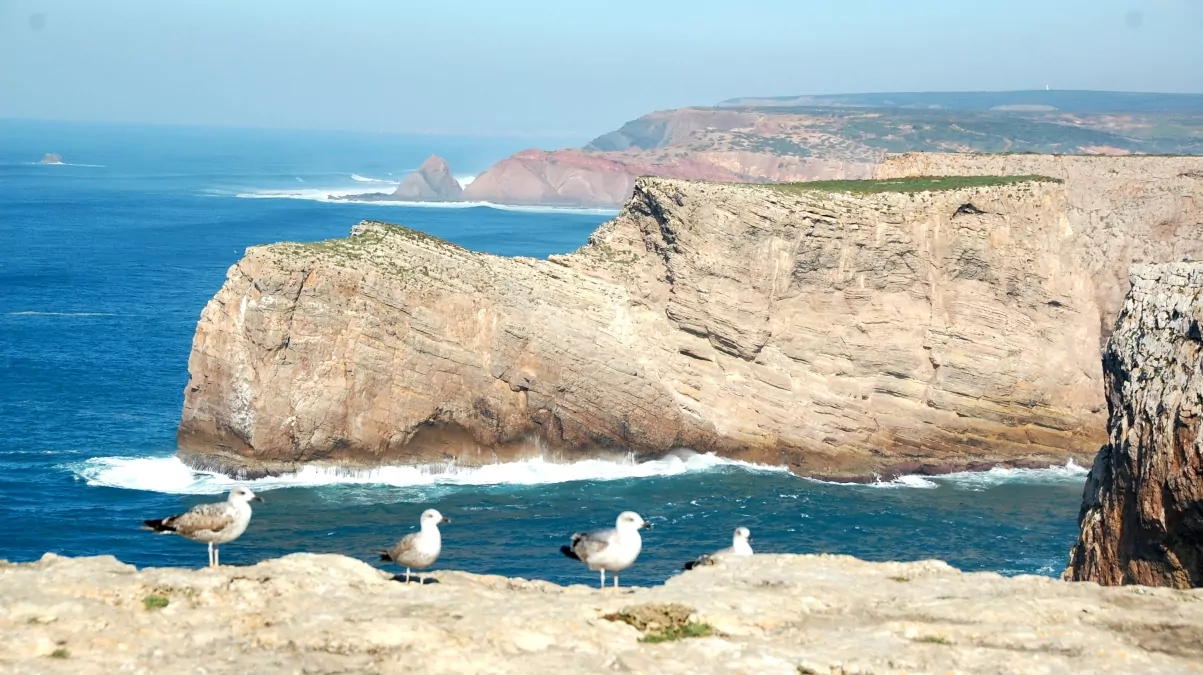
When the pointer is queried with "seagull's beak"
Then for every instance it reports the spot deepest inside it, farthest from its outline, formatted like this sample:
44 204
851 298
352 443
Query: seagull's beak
445 520
257 498
646 524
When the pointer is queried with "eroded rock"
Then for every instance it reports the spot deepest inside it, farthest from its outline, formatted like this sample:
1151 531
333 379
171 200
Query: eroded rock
1142 511
840 334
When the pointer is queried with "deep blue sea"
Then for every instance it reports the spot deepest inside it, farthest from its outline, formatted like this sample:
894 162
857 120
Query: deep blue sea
106 262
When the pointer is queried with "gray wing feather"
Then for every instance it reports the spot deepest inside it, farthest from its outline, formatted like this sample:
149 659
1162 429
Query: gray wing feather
404 545
586 544
202 518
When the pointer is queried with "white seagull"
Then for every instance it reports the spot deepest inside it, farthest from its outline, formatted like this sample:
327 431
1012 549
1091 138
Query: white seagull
613 549
213 524
741 544
418 550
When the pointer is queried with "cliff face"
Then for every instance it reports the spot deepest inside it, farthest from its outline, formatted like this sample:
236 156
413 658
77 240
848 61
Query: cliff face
1142 511
1138 209
770 615
607 179
432 182
839 334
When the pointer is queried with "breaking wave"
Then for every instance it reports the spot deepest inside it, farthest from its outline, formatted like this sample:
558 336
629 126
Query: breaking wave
1070 473
332 195
365 179
170 475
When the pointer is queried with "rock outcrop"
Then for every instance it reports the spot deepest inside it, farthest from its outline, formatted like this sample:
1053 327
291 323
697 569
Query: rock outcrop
1142 511
840 334
1137 209
606 179
769 614
51 158
432 182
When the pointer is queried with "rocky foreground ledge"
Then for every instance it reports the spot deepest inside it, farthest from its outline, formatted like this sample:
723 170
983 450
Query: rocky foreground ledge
766 614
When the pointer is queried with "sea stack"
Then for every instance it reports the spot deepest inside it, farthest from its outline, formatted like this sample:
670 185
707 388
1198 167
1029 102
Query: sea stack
432 182
51 158
1142 510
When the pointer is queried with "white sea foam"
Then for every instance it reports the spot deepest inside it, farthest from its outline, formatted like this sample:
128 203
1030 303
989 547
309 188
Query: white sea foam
1070 473
365 179
86 166
170 475
331 195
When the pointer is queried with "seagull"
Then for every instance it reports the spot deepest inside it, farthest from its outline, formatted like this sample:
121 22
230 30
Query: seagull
213 524
609 549
418 550
741 544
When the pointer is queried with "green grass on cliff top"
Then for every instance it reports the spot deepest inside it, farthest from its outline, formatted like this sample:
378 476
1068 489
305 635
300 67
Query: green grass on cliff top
915 184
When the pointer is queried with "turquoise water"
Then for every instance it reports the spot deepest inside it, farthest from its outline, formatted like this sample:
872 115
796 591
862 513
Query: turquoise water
106 262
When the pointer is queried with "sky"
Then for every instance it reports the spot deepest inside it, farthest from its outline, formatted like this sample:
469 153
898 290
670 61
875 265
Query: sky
570 68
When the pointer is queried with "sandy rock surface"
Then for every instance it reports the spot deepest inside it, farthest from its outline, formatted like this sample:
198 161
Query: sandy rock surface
767 614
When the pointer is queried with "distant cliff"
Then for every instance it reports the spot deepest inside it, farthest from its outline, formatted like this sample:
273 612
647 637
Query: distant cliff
784 139
923 326
1142 511
1136 209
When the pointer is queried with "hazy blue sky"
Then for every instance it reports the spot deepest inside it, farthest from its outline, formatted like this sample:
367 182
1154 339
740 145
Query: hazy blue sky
526 66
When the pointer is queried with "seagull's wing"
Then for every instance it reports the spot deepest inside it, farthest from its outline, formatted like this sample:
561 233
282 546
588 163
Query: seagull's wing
406 544
202 518
709 559
586 545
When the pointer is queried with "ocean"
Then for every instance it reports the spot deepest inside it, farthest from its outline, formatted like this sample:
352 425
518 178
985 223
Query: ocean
107 260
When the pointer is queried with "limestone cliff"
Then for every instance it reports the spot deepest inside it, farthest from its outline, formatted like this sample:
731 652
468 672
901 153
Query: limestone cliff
432 182
765 614
1136 209
842 334
1142 511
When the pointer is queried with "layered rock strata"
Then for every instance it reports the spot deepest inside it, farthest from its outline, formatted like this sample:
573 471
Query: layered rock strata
1142 511
1136 209
843 335
770 614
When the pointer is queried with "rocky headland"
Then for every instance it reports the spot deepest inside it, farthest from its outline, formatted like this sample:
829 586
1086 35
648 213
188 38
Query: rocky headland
51 158
785 139
842 330
1142 511
1132 210
786 614
432 182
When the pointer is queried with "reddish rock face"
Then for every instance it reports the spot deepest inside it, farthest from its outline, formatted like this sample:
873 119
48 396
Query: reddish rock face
1142 511
606 179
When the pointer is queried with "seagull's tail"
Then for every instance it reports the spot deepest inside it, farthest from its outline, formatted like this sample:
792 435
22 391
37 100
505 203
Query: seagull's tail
160 525
567 550
704 560
384 554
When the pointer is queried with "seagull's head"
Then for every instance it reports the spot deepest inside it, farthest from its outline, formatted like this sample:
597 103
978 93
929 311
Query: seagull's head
433 517
631 520
743 534
243 495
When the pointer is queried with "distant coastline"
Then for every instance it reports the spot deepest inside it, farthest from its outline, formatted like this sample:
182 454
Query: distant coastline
806 138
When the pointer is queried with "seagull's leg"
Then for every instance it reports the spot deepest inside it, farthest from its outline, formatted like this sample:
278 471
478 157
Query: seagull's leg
615 581
603 578
217 556
210 554
407 575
